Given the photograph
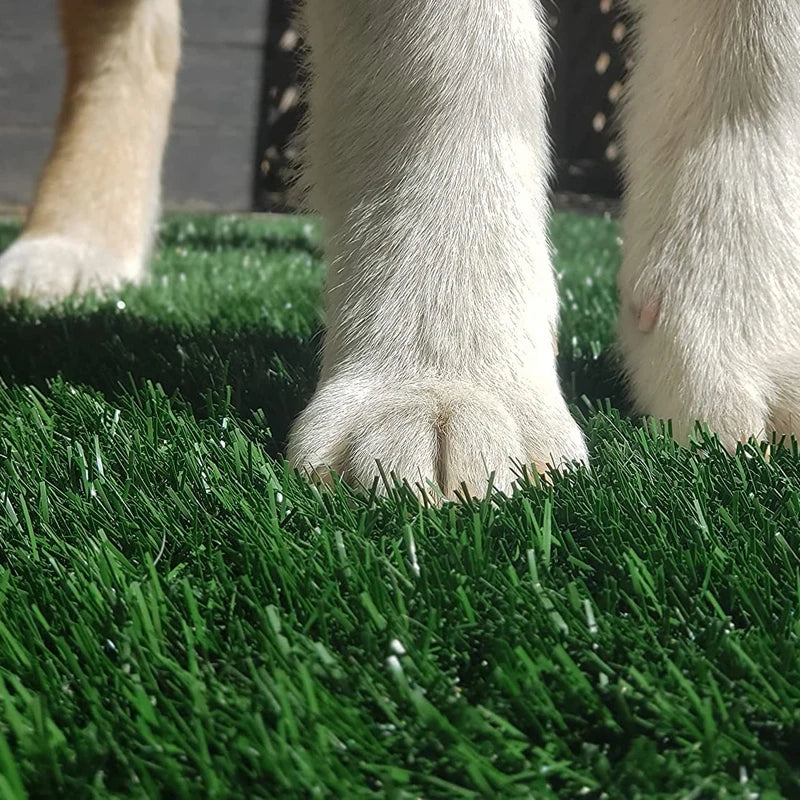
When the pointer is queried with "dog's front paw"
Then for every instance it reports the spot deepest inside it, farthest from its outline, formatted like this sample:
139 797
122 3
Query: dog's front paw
49 268
449 434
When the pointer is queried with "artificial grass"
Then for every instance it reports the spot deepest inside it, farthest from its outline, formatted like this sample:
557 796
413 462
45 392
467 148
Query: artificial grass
182 616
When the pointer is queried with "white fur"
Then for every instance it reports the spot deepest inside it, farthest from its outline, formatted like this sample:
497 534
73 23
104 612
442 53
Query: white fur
712 229
427 156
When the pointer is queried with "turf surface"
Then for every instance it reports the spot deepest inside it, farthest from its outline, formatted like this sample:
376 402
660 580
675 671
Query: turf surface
181 616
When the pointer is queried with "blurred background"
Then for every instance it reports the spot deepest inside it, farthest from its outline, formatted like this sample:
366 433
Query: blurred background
238 103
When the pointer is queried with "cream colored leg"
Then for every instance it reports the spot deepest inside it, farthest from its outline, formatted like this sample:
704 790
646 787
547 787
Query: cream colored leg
428 157
98 197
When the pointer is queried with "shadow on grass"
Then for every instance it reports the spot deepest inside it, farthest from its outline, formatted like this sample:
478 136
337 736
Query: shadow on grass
112 352
597 380
254 369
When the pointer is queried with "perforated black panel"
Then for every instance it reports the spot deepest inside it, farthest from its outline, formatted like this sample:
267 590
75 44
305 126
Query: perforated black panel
590 52
589 64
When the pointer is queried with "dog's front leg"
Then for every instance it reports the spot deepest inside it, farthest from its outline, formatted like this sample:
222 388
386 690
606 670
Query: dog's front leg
98 197
427 156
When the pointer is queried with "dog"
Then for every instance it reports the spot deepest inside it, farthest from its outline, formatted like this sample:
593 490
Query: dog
427 155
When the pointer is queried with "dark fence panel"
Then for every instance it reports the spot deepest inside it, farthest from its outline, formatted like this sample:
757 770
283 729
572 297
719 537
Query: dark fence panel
590 55
282 110
589 64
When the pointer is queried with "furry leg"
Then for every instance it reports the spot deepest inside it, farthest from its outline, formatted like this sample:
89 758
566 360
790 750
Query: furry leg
98 197
710 284
427 156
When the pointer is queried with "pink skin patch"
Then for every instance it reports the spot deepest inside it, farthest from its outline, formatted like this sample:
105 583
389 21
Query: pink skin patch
648 317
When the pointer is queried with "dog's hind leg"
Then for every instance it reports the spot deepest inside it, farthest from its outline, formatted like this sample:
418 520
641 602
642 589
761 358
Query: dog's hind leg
92 221
710 282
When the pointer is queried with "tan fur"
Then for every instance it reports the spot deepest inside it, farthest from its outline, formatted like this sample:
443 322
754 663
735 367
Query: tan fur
98 196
